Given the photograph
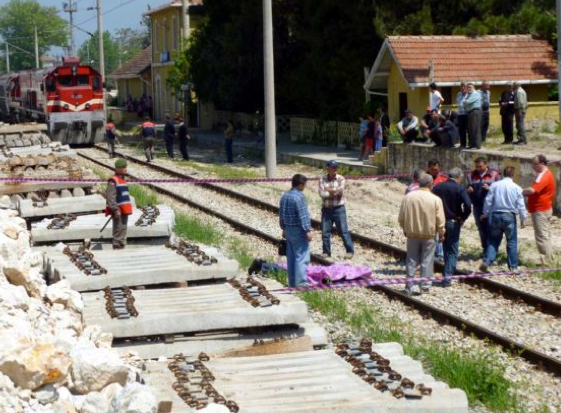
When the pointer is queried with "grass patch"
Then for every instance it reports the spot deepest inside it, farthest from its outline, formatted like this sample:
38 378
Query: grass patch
480 375
143 196
195 230
241 253
225 172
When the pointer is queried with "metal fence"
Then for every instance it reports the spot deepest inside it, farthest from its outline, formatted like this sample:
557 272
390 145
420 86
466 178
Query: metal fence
249 122
325 133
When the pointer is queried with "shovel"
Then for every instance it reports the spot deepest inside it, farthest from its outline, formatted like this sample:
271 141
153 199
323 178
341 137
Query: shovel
88 242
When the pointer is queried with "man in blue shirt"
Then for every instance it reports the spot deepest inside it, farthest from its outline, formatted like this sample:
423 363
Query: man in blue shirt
457 208
502 203
297 230
472 105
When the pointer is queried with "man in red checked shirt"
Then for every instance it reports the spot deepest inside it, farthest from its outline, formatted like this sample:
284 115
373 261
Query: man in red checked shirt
540 205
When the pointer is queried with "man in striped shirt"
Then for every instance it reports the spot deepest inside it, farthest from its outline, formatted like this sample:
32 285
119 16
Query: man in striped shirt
331 190
297 230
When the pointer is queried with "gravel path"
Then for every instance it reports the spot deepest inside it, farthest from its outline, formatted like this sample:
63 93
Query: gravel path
537 330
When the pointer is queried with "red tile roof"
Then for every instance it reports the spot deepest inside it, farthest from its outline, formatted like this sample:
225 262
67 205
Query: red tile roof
492 58
135 66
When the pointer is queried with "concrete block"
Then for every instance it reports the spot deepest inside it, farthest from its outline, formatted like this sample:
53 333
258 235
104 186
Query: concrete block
57 206
193 309
138 266
89 226
219 343
311 381
9 188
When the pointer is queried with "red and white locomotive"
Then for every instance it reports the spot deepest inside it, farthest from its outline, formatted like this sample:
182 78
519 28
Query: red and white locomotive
68 98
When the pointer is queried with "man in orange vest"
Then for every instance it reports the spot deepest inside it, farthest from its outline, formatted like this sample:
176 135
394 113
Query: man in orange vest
148 134
119 204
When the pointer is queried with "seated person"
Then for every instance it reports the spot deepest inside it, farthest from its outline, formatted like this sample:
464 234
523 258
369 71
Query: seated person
409 127
446 134
451 115
429 123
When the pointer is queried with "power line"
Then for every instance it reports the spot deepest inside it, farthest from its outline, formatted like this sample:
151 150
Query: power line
106 12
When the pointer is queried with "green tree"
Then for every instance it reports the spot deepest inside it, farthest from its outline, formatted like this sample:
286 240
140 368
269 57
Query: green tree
90 50
18 19
130 42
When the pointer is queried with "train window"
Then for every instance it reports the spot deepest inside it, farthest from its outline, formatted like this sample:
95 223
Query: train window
96 83
50 83
83 80
65 80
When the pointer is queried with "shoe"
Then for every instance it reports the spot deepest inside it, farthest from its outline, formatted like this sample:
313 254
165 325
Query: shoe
520 143
426 286
445 284
484 267
415 289
349 255
506 143
325 255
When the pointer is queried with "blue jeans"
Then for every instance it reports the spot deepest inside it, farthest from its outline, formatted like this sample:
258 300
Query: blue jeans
502 223
297 256
377 145
169 146
482 226
339 217
438 251
451 247
229 151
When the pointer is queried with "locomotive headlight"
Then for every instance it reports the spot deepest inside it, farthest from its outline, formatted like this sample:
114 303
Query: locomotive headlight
87 105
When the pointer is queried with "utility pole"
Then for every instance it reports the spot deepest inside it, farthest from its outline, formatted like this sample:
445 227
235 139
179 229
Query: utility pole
269 75
100 44
36 49
7 58
558 7
186 21
71 9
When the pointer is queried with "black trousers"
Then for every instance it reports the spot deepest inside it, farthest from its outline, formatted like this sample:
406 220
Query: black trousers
474 128
410 135
507 124
183 149
484 124
462 129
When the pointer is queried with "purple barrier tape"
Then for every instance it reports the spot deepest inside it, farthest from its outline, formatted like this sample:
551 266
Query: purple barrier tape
417 280
192 181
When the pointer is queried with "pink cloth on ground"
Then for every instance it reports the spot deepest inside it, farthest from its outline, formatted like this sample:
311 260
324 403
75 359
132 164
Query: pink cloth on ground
334 273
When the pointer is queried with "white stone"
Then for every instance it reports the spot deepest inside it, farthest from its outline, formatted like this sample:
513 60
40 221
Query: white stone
94 368
9 400
33 366
46 394
94 402
30 278
135 398
12 296
62 293
95 334
110 391
15 331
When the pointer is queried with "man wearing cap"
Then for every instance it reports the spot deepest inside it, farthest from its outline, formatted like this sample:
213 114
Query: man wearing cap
520 107
119 204
331 190
409 127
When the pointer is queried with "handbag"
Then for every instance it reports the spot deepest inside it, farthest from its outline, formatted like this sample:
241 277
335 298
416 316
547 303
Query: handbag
282 247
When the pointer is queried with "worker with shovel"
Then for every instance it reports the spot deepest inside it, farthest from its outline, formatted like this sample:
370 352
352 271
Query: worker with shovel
119 204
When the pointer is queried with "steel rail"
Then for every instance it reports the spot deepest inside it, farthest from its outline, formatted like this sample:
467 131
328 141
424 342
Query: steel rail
511 293
537 358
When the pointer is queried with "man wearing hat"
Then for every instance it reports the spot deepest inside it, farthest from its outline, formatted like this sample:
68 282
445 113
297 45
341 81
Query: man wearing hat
119 204
331 191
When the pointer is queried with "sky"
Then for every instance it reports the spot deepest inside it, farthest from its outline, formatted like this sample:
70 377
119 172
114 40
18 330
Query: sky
127 13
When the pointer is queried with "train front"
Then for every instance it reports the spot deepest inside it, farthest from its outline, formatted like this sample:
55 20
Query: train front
74 103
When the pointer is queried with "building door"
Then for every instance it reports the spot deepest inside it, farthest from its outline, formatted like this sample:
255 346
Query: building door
402 104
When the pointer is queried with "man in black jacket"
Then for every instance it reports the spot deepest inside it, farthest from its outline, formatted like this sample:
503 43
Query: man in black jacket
506 103
169 134
457 208
183 138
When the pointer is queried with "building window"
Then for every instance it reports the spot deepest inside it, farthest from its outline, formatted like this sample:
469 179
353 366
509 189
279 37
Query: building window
165 35
173 33
156 28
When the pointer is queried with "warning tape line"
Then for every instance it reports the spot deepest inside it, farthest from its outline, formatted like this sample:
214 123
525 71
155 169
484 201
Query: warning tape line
193 181
397 281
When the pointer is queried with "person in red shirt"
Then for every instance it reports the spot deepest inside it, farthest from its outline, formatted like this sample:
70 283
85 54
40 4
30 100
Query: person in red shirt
540 205
434 171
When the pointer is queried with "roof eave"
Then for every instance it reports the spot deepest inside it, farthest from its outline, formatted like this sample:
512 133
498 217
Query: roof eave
491 82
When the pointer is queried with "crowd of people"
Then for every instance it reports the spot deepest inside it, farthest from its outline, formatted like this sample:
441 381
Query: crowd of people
143 106
373 133
432 213
468 127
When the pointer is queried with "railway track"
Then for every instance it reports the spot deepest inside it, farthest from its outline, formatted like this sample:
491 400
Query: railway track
543 361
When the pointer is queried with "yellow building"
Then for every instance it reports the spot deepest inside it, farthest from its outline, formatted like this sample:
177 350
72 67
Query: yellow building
405 66
134 78
167 28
